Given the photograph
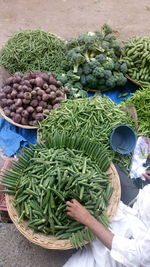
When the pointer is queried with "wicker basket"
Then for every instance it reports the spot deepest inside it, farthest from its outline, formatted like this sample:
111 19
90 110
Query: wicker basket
49 241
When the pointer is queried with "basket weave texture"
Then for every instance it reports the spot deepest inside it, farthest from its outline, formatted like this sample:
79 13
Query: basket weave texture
51 242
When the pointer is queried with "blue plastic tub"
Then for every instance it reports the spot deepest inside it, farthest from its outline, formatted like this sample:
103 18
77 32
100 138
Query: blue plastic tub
123 139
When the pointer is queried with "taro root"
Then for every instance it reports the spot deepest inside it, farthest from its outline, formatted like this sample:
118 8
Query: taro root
42 104
25 114
18 103
24 88
17 118
53 88
56 106
32 81
57 100
39 81
46 111
34 103
34 114
26 101
20 95
48 90
2 95
24 121
45 97
39 117
4 102
39 109
52 80
45 86
8 96
7 89
59 84
15 86
10 102
39 98
52 95
20 87
27 95
50 107
33 93
59 93
45 77
66 89
27 83
19 110
40 91
12 114
30 109
9 80
12 107
16 79
7 112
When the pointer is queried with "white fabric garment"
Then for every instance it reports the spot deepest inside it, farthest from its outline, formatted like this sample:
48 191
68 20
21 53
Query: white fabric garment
131 243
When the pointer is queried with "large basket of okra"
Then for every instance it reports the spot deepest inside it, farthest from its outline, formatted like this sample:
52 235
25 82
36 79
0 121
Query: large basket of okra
47 175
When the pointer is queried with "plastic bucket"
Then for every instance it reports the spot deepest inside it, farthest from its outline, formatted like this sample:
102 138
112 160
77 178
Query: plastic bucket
123 139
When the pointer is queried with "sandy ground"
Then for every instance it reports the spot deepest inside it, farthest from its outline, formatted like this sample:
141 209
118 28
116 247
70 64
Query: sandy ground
66 18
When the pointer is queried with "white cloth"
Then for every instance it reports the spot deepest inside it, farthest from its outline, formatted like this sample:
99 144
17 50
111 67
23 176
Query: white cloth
131 243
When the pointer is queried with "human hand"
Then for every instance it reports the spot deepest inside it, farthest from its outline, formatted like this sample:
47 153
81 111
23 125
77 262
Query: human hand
147 175
78 212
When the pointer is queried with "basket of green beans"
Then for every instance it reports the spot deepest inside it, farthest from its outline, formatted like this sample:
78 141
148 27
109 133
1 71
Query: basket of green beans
46 176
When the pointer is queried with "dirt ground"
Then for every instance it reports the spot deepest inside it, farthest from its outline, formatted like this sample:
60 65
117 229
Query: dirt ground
66 18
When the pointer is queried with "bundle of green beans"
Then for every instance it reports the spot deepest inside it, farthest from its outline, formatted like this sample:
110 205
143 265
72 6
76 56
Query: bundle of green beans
47 175
141 101
137 58
94 117
30 50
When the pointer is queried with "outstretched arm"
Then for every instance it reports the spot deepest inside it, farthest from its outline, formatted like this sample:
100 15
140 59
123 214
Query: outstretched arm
81 214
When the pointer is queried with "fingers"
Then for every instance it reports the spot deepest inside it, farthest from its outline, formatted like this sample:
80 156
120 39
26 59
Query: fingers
147 175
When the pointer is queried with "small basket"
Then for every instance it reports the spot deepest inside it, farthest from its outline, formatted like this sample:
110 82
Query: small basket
51 242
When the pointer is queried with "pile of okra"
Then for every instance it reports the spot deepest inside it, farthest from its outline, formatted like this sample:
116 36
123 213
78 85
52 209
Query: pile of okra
43 180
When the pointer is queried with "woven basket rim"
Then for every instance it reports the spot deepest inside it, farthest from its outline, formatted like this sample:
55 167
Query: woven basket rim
49 241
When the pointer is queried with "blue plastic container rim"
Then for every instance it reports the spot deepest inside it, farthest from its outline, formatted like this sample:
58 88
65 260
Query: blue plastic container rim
123 149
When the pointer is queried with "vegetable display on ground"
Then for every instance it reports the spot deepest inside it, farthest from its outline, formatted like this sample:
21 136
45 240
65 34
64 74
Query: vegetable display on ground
47 175
94 62
137 58
30 50
141 101
27 98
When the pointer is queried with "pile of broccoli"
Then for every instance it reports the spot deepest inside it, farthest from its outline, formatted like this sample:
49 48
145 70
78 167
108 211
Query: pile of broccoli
94 62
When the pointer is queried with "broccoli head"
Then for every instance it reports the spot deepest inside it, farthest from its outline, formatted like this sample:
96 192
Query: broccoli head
120 79
72 43
105 45
63 78
107 74
80 71
109 37
86 68
116 66
111 82
101 58
98 72
106 29
91 81
72 76
75 58
108 64
93 64
83 80
123 68
78 85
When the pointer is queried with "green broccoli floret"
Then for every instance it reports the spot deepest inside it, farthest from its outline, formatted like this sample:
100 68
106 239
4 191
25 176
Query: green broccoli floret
72 43
91 81
78 85
120 79
106 29
86 68
107 74
75 59
80 71
111 82
101 58
105 45
72 76
93 64
109 64
63 78
83 80
109 37
101 81
124 68
117 66
98 72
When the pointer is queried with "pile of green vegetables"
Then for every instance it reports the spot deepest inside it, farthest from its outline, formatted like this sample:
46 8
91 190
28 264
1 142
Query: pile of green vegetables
93 62
47 175
137 58
30 50
141 101
93 117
